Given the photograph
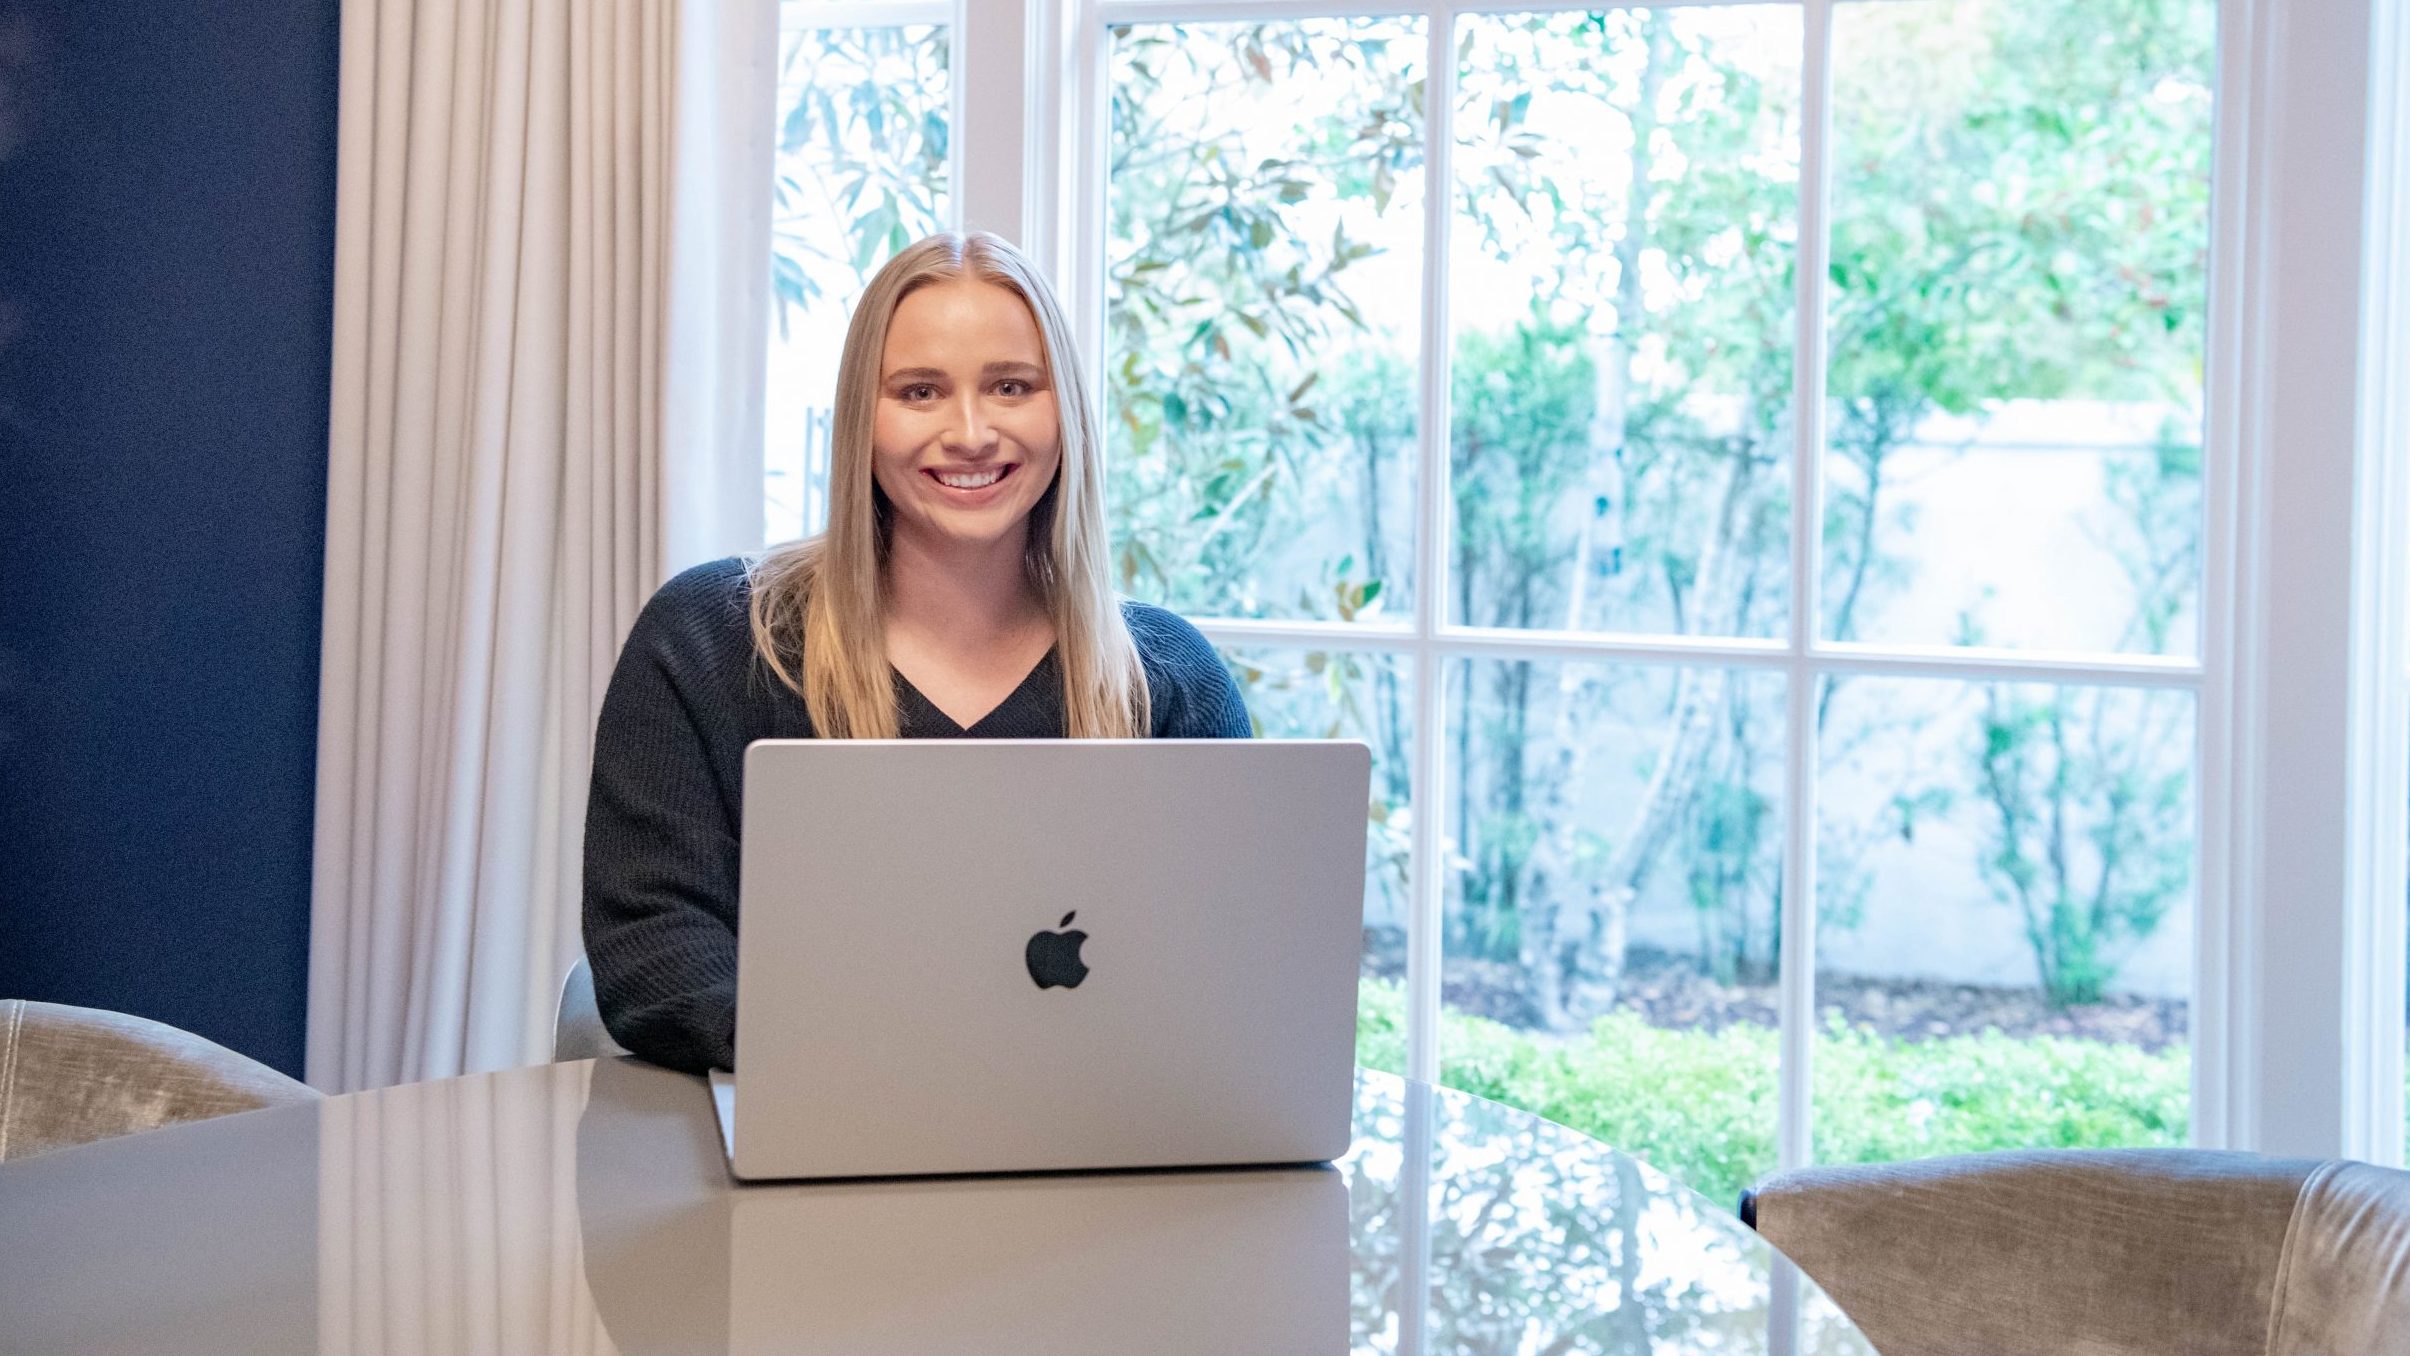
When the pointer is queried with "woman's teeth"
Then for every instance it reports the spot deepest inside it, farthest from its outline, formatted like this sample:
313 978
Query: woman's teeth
975 480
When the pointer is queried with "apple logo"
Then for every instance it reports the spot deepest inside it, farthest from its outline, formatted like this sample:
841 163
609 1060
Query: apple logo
1054 956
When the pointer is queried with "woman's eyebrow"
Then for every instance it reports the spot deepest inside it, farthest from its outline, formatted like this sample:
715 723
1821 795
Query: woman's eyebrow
991 370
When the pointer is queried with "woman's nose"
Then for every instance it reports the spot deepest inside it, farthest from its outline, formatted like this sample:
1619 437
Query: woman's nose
969 429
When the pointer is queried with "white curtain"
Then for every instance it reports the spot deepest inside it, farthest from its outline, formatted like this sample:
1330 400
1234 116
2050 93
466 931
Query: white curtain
551 262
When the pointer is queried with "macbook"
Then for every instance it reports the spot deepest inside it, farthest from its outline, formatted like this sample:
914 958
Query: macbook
984 956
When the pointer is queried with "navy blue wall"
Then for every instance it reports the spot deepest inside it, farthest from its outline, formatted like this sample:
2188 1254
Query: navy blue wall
166 285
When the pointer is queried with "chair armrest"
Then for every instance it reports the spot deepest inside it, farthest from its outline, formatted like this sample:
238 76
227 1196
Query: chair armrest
2345 1281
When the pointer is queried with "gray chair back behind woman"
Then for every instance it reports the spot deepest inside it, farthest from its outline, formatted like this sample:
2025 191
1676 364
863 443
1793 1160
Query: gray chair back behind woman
577 1024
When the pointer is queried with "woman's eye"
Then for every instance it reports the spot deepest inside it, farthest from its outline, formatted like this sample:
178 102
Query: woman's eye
919 393
1012 389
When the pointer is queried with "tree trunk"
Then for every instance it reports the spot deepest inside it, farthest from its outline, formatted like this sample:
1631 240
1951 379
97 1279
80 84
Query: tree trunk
1552 950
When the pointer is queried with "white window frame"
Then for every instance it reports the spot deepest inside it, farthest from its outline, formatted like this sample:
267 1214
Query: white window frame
2304 667
2378 935
2299 1048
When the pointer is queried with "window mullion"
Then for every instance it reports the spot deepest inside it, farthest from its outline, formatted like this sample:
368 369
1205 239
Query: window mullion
1793 1135
1429 775
1083 148
1949 664
2222 982
1046 59
990 150
2283 902
2380 683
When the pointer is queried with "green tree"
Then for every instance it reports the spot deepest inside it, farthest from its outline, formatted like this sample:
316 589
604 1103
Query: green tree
1223 316
2041 237
1994 239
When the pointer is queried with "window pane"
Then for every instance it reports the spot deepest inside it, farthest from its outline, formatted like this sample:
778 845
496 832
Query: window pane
2019 274
1314 694
1621 294
861 173
1613 905
1263 293
2005 917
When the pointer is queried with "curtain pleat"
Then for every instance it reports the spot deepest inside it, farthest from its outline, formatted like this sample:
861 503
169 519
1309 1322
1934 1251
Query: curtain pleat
513 306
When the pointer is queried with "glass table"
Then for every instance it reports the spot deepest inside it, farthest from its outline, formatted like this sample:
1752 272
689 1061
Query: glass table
584 1207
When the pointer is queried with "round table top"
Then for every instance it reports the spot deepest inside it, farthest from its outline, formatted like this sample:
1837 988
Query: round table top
585 1207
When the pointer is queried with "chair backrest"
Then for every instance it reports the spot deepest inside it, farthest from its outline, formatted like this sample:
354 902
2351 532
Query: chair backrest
577 1024
72 1075
2344 1284
2168 1252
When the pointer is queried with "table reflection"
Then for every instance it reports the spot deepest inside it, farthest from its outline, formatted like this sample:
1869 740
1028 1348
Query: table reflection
585 1208
1520 1235
1246 1261
1517 1235
448 1218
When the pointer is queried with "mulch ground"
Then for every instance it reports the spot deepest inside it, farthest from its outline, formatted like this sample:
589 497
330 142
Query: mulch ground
1668 991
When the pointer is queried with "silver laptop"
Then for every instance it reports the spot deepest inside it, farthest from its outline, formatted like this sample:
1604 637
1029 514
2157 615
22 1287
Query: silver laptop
979 956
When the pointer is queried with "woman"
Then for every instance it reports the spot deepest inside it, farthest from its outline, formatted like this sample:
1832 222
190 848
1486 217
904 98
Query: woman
961 590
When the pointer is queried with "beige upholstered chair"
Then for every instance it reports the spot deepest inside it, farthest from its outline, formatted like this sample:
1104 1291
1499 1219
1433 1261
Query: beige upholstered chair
74 1075
2105 1252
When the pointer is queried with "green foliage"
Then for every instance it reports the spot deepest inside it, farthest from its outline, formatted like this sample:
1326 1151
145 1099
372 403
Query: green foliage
1522 404
2087 826
2021 194
2040 236
1880 1099
1701 1105
862 142
2019 212
1226 317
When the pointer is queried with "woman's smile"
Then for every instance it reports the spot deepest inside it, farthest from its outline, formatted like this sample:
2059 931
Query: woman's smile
966 484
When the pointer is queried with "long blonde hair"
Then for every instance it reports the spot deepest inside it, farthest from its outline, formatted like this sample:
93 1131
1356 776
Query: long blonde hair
818 604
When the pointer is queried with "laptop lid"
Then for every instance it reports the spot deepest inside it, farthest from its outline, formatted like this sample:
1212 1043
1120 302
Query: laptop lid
1014 955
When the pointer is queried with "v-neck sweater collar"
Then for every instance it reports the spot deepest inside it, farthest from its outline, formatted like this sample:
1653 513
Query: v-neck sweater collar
1032 710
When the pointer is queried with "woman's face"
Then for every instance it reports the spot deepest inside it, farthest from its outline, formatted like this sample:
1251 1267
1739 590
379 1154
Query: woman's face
966 438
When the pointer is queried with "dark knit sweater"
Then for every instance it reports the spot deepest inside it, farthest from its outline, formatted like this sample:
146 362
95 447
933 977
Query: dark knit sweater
667 801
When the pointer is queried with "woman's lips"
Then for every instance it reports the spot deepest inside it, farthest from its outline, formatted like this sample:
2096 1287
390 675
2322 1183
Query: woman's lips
974 494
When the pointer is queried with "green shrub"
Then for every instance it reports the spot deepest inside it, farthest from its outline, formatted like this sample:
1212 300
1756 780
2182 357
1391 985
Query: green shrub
1701 1105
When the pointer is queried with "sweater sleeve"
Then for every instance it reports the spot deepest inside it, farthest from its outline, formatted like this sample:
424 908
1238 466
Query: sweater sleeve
1188 685
661 836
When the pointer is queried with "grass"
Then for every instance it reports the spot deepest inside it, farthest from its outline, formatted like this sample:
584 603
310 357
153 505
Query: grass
1701 1105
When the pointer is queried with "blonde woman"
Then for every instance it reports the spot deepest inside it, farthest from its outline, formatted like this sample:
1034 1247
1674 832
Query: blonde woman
960 591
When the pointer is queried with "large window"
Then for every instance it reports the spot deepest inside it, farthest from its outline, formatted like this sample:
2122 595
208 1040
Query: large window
1963 760
1741 467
